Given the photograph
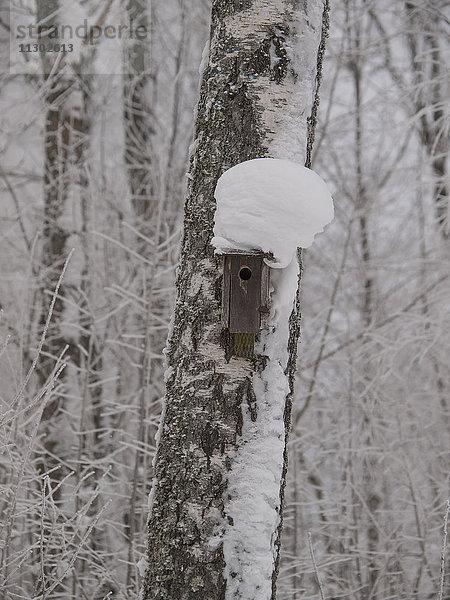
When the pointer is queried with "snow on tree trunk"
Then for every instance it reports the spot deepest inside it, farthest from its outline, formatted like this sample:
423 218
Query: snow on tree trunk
216 507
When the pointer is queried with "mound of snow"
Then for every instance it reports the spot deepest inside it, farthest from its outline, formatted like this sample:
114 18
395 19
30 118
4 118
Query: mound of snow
270 205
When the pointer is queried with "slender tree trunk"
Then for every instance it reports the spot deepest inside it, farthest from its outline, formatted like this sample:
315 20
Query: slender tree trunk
255 96
146 207
58 129
68 101
371 497
136 113
428 66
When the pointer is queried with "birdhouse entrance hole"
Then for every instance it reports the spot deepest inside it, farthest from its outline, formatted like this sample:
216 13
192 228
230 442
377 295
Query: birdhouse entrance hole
245 273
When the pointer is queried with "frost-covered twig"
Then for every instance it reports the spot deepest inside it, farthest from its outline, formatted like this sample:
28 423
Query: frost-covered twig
316 570
380 324
444 548
123 247
81 544
44 331
5 343
9 518
42 538
17 207
326 327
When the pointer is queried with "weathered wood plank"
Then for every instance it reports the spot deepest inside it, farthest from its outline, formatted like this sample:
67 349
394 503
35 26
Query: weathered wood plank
245 297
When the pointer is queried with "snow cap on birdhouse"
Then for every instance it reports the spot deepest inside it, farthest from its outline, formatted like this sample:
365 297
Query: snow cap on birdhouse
272 206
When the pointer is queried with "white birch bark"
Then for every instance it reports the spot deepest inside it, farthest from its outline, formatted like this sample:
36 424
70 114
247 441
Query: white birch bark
216 504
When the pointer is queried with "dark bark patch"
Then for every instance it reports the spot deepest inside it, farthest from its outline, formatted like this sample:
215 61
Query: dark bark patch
210 439
218 288
229 7
270 58
226 341
251 401
218 397
278 39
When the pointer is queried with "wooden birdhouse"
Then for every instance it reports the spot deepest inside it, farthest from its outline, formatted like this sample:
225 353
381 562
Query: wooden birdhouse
245 298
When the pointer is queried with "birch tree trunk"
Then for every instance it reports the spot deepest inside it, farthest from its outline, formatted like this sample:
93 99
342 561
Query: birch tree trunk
216 503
